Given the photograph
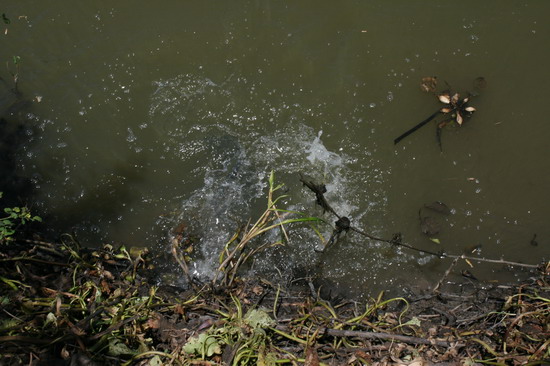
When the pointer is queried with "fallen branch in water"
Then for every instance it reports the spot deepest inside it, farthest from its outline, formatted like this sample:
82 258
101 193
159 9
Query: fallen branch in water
320 190
407 133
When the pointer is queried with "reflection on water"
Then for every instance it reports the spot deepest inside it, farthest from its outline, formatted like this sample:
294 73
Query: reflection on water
150 116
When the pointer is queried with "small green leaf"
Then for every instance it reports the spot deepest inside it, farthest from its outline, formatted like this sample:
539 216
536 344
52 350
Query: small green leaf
435 240
117 348
204 345
50 319
258 319
155 361
212 347
414 321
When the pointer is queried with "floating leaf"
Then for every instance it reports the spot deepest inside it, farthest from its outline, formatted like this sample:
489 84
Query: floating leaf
439 207
444 98
428 84
429 226
435 240
455 98
459 118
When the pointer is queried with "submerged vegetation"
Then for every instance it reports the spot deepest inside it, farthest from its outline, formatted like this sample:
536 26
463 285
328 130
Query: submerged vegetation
63 304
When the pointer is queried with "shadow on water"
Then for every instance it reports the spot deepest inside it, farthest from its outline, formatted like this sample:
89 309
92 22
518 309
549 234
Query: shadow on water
15 131
102 203
99 205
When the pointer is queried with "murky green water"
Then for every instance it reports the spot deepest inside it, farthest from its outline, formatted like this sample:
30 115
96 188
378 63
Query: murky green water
151 114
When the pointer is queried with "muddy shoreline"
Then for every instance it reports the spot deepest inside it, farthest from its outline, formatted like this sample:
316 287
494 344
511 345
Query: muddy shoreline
65 305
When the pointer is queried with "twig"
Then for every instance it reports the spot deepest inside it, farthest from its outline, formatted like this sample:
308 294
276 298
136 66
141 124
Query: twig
24 339
407 133
498 261
397 243
30 259
436 288
113 327
182 263
388 336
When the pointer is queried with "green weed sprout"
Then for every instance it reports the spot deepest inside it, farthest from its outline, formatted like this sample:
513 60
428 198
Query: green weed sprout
15 217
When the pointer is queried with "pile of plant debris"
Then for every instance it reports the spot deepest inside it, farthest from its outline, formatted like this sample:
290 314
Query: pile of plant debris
63 305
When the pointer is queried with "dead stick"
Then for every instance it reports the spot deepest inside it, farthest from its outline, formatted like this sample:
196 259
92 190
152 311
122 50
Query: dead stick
322 201
436 288
499 261
112 328
388 336
30 259
181 262
393 242
24 339
396 141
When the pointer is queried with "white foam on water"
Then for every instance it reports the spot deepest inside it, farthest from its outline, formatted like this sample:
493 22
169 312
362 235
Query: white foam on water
235 164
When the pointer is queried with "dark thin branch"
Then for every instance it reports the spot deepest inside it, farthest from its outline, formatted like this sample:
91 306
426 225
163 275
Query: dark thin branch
320 190
389 336
396 141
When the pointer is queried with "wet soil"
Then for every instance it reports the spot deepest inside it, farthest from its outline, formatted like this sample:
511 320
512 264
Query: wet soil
64 305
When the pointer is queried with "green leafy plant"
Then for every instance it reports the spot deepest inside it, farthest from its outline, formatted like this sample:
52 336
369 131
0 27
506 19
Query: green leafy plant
15 217
239 248
244 334
16 60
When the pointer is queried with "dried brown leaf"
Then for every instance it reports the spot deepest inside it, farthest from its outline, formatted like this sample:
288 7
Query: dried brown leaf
444 98
312 358
428 84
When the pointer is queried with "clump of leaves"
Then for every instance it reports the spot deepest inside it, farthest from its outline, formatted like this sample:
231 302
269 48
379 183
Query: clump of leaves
243 337
455 108
14 217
